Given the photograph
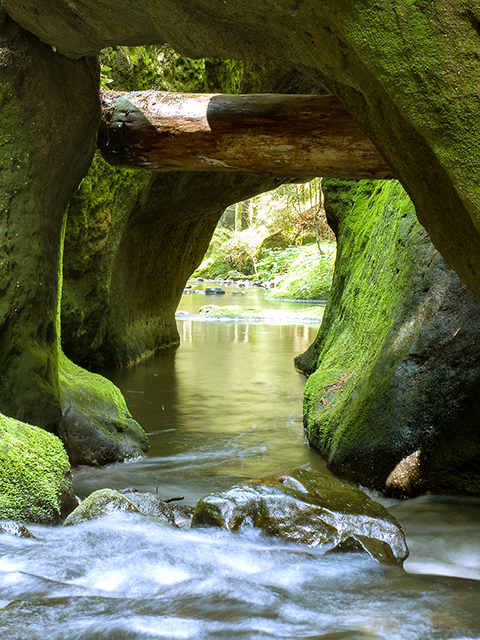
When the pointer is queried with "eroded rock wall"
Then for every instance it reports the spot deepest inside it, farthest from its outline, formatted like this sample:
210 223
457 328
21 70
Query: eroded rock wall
49 114
392 399
408 73
134 238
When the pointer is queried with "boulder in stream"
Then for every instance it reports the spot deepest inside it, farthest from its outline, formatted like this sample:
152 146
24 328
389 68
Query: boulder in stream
150 504
105 501
98 504
35 477
15 529
308 508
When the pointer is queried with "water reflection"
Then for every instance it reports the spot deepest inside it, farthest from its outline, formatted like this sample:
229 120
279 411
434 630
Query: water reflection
223 407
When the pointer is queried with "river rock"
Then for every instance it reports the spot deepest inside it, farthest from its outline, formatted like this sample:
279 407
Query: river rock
152 505
96 428
98 504
308 508
15 529
214 291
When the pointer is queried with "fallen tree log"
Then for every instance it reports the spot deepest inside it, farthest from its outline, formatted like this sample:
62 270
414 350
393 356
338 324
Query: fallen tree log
284 135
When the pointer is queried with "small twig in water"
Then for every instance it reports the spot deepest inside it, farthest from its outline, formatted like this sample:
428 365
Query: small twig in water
173 499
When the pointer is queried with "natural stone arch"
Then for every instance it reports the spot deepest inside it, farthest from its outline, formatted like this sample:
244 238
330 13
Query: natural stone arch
407 73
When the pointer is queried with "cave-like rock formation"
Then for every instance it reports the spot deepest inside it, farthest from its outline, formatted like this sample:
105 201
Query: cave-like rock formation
145 260
392 399
49 116
407 73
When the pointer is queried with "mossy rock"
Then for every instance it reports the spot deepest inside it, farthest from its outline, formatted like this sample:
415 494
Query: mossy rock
97 427
392 397
307 508
99 504
35 478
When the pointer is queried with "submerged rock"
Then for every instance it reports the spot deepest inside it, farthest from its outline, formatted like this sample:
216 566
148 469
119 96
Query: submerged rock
308 508
214 291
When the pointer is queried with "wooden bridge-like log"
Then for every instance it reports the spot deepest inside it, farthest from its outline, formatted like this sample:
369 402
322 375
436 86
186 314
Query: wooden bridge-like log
284 135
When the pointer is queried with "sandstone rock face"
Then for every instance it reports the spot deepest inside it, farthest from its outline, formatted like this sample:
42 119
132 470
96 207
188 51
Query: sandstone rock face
49 113
145 259
407 75
392 399
308 508
35 480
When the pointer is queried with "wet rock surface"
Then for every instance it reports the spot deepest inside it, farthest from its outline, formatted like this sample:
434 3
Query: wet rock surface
106 501
149 504
307 508
96 428
15 529
98 504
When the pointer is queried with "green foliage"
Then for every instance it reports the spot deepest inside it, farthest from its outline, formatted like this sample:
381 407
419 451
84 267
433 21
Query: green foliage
150 67
275 262
309 276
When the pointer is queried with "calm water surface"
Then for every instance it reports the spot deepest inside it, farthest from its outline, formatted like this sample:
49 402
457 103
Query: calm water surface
226 406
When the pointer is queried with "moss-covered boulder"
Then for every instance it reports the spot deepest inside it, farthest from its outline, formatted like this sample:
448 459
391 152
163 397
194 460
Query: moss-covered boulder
307 508
35 478
97 427
106 501
99 504
392 399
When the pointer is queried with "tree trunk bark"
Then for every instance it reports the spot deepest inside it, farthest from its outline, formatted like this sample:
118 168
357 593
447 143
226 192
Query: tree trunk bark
284 135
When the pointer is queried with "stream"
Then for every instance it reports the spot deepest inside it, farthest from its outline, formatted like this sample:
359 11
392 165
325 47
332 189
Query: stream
225 407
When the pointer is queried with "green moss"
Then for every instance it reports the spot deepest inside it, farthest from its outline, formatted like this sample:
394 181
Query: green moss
98 428
152 67
98 504
380 248
35 477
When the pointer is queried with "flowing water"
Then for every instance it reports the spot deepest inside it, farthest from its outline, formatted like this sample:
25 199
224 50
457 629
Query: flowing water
224 407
